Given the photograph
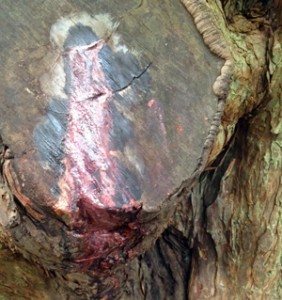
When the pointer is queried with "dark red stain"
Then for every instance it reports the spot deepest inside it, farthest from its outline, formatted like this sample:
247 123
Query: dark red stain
90 169
89 182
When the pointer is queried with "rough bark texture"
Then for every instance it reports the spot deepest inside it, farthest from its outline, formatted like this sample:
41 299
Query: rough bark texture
242 189
202 220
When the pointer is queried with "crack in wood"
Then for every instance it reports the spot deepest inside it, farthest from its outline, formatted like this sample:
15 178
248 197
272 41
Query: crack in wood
133 79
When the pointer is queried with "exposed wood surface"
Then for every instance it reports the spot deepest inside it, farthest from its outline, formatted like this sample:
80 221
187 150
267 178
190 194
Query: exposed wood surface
105 110
104 116
159 117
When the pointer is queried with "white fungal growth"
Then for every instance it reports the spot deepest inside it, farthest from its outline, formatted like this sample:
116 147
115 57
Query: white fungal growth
102 25
53 82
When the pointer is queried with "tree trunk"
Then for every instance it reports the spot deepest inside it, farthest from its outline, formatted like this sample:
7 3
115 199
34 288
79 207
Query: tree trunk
140 152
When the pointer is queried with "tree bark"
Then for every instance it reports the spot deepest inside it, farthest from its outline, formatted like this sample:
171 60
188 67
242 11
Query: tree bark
140 152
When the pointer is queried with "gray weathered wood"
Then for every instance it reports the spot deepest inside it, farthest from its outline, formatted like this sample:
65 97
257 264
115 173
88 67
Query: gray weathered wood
157 76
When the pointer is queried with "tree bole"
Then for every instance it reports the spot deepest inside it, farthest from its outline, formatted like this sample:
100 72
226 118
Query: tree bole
136 154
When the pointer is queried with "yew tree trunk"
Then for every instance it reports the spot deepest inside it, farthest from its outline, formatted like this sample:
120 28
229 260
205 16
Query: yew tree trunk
140 149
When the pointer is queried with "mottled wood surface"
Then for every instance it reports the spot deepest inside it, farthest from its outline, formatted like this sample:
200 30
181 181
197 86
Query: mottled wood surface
90 161
222 236
161 117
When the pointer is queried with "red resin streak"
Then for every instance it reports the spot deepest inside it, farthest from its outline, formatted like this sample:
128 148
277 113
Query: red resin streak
89 182
90 170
